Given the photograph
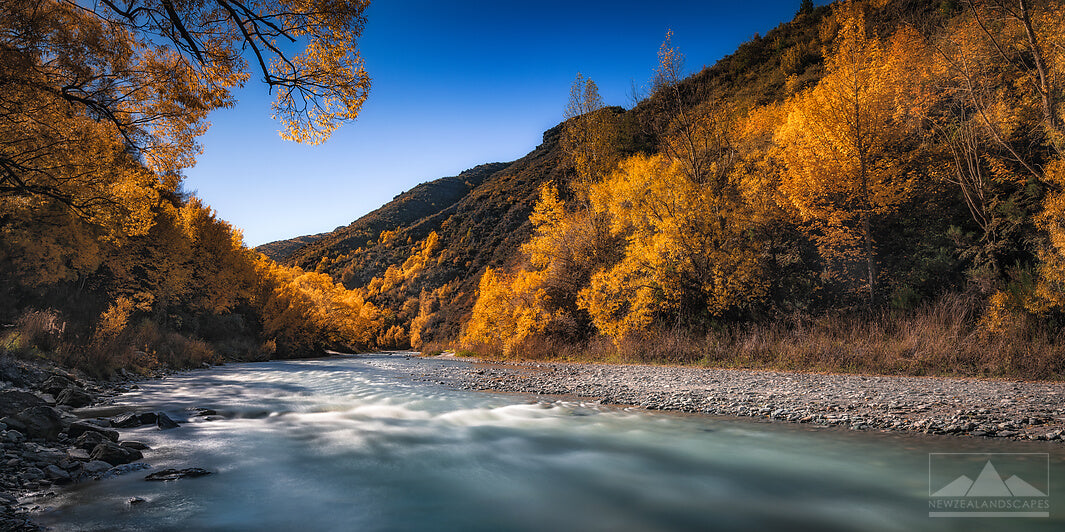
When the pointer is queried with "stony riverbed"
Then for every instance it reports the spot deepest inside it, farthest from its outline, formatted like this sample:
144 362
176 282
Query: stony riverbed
961 407
54 432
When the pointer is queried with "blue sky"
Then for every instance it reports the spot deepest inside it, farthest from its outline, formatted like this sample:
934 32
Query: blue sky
455 84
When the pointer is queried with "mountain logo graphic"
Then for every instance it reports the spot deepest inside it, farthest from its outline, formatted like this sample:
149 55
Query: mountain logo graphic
988 484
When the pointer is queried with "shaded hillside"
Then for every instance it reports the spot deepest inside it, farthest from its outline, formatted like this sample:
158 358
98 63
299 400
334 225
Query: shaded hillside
406 209
279 250
480 217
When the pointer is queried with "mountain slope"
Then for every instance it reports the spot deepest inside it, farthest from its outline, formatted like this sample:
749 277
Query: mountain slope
427 285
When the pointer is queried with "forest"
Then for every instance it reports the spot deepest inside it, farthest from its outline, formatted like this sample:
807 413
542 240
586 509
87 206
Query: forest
105 262
896 208
873 187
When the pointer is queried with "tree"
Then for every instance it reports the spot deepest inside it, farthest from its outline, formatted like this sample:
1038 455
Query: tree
590 135
93 90
688 252
837 140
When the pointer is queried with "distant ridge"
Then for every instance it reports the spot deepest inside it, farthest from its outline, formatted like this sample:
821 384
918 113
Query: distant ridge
279 250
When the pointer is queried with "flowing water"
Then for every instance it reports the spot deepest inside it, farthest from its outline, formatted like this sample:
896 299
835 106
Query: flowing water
363 443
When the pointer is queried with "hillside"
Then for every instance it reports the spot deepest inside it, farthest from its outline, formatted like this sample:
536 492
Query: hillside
839 181
279 250
481 217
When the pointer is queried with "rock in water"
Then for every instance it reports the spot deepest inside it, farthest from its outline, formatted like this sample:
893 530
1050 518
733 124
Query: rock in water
41 422
164 422
126 421
78 428
174 474
115 454
75 397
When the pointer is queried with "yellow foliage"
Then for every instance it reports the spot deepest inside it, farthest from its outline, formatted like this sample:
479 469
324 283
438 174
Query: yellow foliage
838 136
688 248
1050 290
509 309
114 320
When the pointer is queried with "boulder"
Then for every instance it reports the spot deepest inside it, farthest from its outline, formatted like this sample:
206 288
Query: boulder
13 401
12 423
79 454
56 384
14 436
115 454
164 422
147 418
74 397
95 467
134 445
123 469
32 473
174 474
42 422
89 440
78 428
126 421
55 472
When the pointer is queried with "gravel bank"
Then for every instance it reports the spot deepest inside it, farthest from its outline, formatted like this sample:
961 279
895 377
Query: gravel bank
962 407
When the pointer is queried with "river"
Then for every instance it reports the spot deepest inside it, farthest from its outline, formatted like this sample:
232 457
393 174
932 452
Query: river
366 443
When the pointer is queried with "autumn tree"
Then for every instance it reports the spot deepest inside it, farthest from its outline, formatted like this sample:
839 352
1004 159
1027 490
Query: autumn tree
589 139
91 90
838 139
688 252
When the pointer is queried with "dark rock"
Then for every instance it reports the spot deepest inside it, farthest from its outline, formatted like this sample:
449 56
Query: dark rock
56 473
32 473
164 422
56 384
77 453
126 421
147 418
89 440
134 445
95 467
41 422
99 422
174 474
12 423
13 401
122 470
74 397
115 454
78 428
135 500
14 436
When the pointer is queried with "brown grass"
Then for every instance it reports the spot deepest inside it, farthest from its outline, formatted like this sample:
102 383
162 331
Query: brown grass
943 338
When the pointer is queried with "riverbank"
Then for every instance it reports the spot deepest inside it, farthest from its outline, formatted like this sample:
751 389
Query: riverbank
46 443
929 405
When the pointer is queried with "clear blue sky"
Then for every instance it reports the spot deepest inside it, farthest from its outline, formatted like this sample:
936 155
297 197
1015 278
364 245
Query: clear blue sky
455 84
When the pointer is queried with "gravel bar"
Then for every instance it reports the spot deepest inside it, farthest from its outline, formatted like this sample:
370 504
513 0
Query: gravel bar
930 405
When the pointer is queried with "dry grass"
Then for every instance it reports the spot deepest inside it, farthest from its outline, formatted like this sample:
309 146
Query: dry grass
943 338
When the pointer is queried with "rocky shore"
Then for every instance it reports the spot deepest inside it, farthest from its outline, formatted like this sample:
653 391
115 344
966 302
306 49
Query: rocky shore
959 407
45 443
